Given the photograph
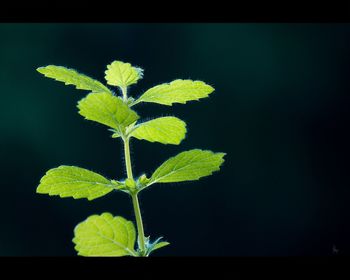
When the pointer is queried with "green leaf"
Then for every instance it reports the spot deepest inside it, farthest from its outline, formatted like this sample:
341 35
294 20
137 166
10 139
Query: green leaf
160 245
150 247
115 134
76 182
105 235
72 77
166 130
107 109
122 74
178 91
188 166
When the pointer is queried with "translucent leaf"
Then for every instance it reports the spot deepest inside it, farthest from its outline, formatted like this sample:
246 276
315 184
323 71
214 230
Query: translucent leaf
166 130
107 109
150 247
105 235
160 245
188 166
122 74
76 182
72 77
178 91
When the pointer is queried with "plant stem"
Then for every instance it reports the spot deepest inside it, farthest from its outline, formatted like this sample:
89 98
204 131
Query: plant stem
141 234
125 95
135 201
127 158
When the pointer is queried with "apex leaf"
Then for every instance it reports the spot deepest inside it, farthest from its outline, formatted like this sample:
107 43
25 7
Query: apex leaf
122 74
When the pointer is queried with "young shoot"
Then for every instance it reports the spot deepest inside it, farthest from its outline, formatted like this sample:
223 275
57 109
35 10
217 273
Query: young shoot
105 234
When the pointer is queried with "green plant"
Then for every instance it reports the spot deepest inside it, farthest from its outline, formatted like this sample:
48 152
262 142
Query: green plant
105 235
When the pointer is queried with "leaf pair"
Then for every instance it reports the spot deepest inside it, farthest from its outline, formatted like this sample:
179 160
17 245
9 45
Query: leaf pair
122 75
112 111
76 182
106 235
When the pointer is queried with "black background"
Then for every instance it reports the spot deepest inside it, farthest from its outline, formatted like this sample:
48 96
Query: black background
280 112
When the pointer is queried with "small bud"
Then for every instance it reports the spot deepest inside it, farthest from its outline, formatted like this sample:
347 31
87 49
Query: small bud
130 183
143 179
130 100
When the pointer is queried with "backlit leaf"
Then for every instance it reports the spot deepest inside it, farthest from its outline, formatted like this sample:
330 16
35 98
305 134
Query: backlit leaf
105 235
76 182
178 91
188 166
166 130
122 74
107 109
160 245
72 77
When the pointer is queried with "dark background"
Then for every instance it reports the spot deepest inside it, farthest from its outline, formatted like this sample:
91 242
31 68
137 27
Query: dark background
281 112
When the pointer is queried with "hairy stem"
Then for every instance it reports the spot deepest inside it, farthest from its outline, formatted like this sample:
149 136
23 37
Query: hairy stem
127 158
125 95
141 234
135 201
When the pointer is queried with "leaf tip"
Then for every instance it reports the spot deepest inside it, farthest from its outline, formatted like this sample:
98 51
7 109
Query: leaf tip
211 88
222 154
140 71
39 189
41 69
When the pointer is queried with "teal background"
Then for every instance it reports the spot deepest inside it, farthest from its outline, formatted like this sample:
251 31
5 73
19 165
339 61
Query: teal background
280 111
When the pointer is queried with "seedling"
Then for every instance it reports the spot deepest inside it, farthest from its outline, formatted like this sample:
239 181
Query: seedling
106 235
